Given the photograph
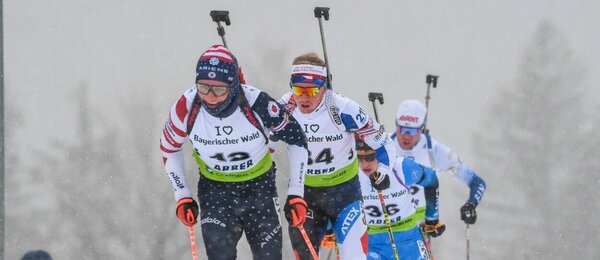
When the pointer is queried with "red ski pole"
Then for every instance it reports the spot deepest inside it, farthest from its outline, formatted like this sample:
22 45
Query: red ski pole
193 243
308 243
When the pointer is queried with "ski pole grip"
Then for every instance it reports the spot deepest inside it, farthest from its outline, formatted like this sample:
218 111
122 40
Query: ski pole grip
432 79
220 16
322 12
376 96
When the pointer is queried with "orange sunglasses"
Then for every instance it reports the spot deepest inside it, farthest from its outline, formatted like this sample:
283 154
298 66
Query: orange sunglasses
309 91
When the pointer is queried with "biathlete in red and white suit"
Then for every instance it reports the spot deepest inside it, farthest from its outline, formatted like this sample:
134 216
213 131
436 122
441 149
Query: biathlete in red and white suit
332 188
226 123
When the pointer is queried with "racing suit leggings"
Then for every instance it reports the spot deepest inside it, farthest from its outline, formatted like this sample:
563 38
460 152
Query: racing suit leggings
228 209
340 205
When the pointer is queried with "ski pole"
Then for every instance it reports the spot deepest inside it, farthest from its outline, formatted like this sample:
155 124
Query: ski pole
328 238
468 246
324 13
431 80
223 16
218 17
427 243
335 250
330 253
388 224
379 97
193 243
376 96
308 243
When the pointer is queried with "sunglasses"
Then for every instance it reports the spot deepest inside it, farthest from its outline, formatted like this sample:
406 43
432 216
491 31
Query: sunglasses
367 158
309 91
408 130
217 90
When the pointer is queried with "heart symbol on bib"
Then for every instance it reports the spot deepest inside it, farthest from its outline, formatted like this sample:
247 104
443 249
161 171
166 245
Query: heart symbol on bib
228 129
314 128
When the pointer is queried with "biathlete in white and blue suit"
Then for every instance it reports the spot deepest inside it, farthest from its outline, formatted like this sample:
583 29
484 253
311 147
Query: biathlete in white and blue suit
401 211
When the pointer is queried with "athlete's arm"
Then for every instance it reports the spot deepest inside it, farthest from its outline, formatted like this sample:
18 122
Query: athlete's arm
285 128
418 174
171 144
475 183
449 161
355 119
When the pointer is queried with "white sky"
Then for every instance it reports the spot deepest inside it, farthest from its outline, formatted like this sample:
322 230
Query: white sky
116 48
121 48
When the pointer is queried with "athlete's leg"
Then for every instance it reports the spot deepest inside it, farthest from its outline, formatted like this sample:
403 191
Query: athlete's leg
410 245
314 226
380 247
221 230
262 224
344 208
380 251
351 232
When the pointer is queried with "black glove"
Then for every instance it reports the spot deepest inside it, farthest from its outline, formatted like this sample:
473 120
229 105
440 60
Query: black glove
379 181
295 210
433 228
187 211
468 213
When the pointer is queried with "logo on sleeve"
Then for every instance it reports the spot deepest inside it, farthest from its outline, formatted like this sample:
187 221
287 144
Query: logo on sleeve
362 115
273 109
414 174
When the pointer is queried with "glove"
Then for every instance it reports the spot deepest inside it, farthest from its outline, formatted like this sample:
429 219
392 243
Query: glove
433 228
295 210
379 180
187 211
468 213
328 239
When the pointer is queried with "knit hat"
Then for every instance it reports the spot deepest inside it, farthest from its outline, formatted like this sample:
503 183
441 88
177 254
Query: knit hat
36 255
411 113
217 63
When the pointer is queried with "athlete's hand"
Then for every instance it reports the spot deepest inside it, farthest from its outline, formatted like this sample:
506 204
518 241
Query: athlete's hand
187 211
295 210
468 213
433 228
328 239
380 180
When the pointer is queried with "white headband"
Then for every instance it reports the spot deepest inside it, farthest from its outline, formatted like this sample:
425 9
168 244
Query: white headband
309 69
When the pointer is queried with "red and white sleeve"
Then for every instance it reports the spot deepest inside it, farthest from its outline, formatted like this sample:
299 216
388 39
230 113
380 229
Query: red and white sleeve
171 145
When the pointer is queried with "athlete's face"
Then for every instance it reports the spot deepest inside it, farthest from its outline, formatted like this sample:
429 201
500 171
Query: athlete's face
212 92
367 161
407 137
305 102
